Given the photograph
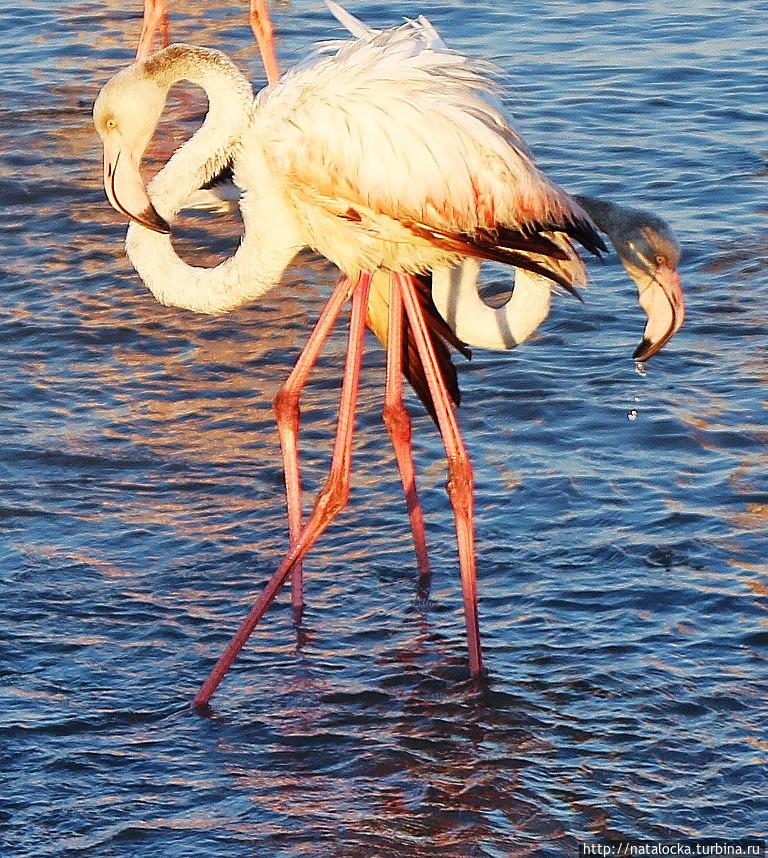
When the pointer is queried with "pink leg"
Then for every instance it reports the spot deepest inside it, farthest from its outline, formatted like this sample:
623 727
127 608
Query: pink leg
398 423
460 487
330 502
286 408
261 24
155 18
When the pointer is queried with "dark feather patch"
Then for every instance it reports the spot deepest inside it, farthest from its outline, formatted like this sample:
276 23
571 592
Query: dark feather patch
442 338
225 176
580 230
484 245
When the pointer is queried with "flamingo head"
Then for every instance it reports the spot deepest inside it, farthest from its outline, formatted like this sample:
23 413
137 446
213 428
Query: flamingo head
126 114
650 253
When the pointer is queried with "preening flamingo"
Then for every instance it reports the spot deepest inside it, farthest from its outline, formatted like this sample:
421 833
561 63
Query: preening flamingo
389 157
156 21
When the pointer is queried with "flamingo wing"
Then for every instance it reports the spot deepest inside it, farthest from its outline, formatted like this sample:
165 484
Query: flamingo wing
398 134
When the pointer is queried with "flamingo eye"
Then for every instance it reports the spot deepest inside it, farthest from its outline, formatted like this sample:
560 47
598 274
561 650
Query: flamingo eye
660 260
111 123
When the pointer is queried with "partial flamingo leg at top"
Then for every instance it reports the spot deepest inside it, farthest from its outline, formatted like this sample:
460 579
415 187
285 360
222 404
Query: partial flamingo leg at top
261 24
156 20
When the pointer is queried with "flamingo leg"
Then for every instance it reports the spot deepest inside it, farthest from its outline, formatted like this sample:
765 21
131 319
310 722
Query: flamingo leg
261 24
286 408
460 480
398 423
155 18
330 501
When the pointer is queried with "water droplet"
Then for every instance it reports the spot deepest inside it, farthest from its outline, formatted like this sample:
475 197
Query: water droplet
639 367
632 415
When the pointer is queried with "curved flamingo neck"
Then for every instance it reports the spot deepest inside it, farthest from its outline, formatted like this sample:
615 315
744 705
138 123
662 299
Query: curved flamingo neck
270 240
211 148
454 291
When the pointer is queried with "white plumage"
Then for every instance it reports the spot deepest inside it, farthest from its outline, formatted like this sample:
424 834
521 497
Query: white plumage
382 154
398 128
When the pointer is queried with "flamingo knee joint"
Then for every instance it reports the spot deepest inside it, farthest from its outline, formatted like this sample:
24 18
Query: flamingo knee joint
397 420
286 406
460 480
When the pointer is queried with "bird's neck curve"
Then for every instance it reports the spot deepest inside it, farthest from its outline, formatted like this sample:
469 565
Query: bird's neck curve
270 240
454 291
211 148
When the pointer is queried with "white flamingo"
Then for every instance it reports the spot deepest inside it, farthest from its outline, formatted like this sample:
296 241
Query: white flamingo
386 155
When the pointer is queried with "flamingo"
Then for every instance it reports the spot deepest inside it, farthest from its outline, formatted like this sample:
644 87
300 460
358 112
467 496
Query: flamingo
644 242
336 157
156 21
647 248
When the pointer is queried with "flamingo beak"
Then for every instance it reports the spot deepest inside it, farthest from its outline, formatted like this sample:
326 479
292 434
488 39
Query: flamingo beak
661 296
125 189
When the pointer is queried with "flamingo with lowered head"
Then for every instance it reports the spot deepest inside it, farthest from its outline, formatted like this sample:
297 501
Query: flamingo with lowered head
386 155
644 242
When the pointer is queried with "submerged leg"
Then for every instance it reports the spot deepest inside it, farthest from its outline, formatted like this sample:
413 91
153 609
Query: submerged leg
286 408
330 501
261 24
155 18
398 423
460 486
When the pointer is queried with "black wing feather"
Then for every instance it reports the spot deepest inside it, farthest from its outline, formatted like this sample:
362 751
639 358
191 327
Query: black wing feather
443 338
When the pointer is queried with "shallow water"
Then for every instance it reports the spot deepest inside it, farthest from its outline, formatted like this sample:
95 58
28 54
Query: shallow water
623 579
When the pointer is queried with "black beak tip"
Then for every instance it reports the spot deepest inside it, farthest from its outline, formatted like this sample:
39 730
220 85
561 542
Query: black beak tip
150 219
645 350
153 220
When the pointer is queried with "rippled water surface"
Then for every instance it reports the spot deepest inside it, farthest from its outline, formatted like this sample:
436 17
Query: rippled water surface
623 580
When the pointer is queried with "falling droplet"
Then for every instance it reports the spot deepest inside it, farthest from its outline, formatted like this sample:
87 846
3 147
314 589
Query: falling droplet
632 415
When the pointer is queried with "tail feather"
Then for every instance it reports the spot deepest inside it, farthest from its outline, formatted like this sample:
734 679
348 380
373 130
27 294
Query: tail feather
541 250
355 26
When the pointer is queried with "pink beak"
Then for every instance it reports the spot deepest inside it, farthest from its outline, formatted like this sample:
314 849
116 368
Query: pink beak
662 299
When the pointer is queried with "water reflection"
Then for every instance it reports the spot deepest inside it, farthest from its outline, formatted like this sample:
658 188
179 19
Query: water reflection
622 563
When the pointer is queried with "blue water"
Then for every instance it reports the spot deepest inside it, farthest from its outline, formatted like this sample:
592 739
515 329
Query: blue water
623 579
